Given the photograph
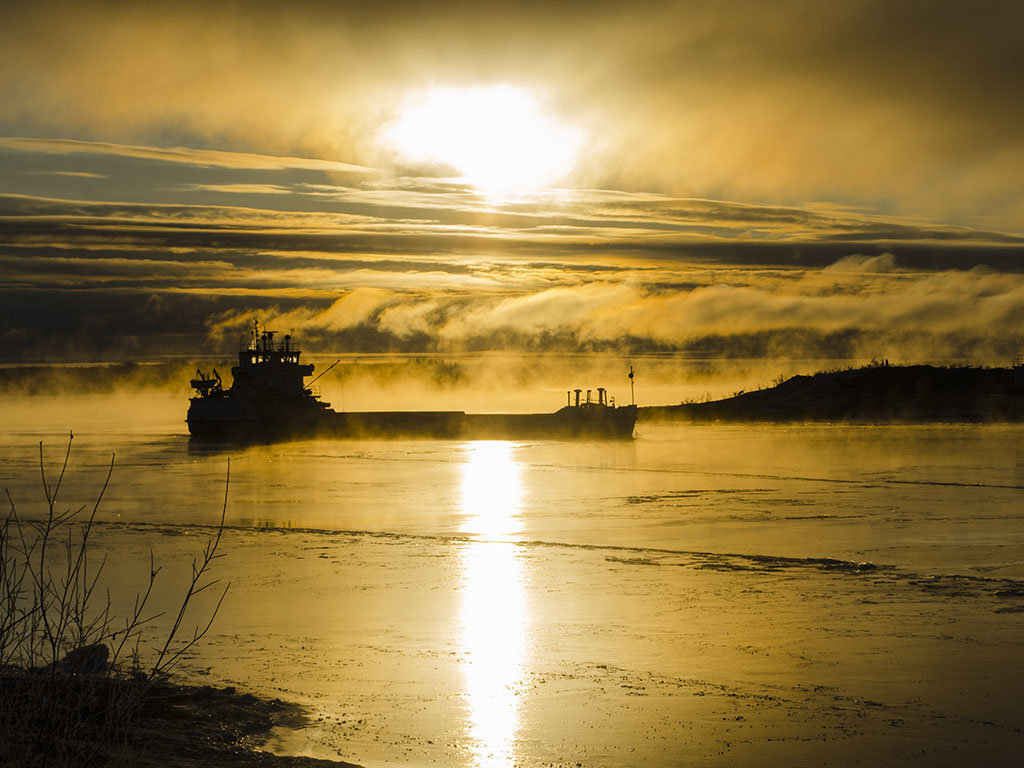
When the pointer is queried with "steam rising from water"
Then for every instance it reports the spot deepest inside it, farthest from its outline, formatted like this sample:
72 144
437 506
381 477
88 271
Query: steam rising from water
472 383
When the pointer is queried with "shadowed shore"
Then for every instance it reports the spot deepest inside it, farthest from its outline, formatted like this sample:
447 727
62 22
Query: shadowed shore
878 393
187 726
181 726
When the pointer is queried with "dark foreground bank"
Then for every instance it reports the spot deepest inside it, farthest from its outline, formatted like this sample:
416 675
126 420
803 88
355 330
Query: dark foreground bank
879 393
184 726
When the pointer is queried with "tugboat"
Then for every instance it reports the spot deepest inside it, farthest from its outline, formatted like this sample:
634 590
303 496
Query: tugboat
267 398
268 401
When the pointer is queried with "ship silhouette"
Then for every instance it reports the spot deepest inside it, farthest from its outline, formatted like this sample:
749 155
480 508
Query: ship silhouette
269 401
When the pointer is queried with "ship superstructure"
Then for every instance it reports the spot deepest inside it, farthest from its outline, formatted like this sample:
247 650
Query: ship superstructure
267 398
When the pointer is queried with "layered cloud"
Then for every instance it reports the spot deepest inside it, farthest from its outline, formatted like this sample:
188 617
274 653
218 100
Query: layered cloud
962 316
806 179
444 268
904 107
187 155
973 316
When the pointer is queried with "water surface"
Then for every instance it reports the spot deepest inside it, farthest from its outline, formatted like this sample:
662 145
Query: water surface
714 594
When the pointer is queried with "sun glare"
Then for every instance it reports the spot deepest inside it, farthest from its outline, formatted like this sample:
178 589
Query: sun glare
493 627
498 137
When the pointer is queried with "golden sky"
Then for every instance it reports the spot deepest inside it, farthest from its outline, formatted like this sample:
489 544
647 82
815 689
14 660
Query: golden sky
775 178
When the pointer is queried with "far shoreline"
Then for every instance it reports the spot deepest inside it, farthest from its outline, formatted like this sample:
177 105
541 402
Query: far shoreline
874 394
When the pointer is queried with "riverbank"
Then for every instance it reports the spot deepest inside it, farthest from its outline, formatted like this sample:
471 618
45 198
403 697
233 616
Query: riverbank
183 726
874 394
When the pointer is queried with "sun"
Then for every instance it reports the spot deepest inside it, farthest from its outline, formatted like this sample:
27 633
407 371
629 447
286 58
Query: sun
498 137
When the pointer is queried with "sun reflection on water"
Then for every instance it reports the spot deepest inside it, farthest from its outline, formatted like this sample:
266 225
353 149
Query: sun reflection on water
492 619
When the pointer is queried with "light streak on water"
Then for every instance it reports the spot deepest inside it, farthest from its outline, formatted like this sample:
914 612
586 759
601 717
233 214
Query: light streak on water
493 616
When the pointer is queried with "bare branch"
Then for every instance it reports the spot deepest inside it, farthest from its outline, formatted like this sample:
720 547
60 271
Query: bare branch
51 610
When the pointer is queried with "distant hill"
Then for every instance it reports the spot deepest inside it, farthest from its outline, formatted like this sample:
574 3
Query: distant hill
915 393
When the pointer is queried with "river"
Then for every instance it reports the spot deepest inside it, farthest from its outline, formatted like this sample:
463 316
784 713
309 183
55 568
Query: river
714 595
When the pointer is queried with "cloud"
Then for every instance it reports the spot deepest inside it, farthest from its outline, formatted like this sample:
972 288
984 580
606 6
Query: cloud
75 174
945 307
972 315
186 155
861 103
353 309
587 305
411 318
243 189
859 263
581 225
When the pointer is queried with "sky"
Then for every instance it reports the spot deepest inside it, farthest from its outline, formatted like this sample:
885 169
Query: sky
788 179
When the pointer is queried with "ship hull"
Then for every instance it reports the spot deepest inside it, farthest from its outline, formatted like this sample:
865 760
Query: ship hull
225 420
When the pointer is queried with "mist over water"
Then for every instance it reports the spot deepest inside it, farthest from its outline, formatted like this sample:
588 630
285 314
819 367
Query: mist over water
98 396
721 594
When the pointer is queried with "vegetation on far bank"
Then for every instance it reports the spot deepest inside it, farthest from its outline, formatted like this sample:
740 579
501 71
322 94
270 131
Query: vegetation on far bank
876 393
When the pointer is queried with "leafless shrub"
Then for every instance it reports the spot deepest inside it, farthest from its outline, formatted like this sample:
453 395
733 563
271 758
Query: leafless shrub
72 673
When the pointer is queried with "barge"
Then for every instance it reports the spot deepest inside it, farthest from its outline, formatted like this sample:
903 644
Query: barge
269 401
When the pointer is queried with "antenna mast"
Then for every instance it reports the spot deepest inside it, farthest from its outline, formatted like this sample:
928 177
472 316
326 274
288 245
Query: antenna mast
632 394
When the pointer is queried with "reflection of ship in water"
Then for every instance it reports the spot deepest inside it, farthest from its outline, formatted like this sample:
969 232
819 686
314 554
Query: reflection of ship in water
268 400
